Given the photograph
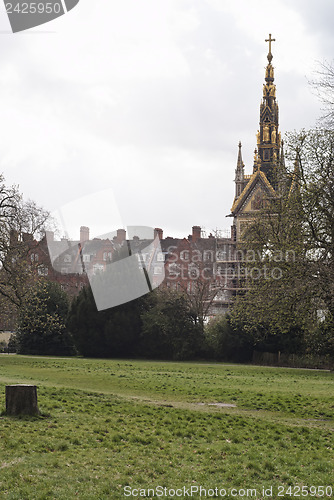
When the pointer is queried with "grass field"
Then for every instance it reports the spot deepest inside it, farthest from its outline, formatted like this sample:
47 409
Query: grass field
111 424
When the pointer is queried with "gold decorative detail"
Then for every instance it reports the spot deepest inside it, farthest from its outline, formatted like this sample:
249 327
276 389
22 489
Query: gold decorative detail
270 71
273 136
269 53
258 174
266 133
258 138
270 40
255 156
272 90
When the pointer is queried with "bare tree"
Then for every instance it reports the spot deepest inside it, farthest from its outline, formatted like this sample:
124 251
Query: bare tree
20 221
200 290
323 86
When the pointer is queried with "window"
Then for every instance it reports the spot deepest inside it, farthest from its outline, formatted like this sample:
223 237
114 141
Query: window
141 257
266 155
174 269
43 271
98 268
208 256
193 271
221 255
219 271
158 270
160 257
106 255
86 257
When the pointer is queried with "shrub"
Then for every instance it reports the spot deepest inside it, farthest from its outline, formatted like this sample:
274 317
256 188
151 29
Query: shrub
169 330
227 343
42 321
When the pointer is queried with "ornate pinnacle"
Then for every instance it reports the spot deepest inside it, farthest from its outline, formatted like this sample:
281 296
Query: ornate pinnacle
240 163
270 56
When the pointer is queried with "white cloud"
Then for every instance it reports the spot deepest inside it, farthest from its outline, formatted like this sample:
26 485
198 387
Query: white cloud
150 99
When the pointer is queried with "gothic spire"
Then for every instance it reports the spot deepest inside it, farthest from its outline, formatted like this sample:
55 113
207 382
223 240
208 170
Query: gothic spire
240 163
239 173
268 139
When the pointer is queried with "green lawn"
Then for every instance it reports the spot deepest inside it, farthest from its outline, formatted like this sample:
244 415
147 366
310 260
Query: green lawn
111 424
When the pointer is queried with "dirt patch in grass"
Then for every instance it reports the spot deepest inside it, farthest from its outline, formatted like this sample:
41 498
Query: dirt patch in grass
219 405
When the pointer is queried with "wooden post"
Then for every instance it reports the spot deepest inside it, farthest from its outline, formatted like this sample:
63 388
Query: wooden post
21 399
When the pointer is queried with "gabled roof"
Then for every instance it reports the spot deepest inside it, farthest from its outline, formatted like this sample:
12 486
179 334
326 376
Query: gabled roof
254 178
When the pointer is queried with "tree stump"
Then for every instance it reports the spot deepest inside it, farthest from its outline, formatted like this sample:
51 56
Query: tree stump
21 399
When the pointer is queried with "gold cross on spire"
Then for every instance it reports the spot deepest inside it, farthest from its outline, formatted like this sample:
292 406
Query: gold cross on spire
270 56
270 40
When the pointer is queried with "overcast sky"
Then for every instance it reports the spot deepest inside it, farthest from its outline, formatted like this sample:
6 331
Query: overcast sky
148 99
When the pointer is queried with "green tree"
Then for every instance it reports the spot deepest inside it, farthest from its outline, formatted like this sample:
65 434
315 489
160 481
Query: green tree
113 332
85 324
225 342
169 329
42 321
288 270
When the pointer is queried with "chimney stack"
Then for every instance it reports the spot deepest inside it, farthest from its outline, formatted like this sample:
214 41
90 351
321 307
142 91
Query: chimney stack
121 236
84 234
50 236
196 233
27 237
13 237
158 232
